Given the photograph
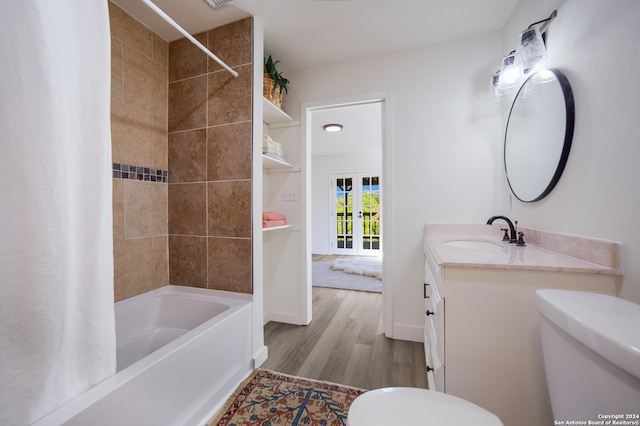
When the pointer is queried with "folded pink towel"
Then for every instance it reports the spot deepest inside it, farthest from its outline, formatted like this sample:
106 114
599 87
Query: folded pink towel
273 216
270 223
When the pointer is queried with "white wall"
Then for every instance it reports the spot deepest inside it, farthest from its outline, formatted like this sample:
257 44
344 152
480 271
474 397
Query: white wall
447 137
321 199
445 146
595 43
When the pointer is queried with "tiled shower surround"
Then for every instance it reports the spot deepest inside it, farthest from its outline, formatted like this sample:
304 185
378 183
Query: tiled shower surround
210 146
139 87
187 221
125 171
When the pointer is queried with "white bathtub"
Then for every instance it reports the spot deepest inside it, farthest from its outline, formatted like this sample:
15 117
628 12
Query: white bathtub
180 352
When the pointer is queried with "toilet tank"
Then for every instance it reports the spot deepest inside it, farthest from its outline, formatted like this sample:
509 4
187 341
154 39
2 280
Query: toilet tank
591 348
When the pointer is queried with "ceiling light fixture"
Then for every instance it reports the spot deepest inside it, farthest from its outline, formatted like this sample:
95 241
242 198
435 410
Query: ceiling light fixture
332 127
217 4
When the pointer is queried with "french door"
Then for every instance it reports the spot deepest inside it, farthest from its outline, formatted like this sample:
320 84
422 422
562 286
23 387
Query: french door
356 217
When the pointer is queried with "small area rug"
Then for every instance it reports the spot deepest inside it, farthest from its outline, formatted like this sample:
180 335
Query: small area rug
268 398
323 276
367 266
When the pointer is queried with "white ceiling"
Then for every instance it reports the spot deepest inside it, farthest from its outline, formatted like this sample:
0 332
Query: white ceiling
362 131
306 33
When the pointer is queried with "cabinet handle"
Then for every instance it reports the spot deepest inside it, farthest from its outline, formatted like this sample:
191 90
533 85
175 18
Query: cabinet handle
425 290
429 369
430 313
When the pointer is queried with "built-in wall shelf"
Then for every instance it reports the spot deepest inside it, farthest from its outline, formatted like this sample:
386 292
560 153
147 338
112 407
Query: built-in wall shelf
269 162
271 114
275 228
283 260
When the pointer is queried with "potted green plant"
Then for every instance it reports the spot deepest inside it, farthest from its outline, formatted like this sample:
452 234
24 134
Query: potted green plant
275 85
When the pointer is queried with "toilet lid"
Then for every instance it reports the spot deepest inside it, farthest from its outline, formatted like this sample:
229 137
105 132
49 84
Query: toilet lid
414 406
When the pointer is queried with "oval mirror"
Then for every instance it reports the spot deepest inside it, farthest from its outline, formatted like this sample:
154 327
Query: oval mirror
538 135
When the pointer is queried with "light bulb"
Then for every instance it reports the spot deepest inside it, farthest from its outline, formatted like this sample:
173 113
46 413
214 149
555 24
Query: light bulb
510 73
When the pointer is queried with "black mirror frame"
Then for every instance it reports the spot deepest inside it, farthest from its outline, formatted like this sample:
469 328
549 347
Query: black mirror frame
568 136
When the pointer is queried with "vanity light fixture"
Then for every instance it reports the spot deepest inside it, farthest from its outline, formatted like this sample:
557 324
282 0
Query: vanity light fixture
334 127
531 51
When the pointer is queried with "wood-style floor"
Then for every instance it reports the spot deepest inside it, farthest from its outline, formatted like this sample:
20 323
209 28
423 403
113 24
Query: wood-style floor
345 344
329 257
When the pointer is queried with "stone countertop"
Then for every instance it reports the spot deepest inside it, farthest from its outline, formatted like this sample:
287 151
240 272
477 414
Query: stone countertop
545 251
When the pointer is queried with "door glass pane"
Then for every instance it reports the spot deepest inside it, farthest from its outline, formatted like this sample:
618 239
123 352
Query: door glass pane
370 213
349 243
344 212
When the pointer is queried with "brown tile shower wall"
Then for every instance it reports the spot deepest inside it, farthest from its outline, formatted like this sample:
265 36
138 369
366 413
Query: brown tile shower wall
209 160
139 85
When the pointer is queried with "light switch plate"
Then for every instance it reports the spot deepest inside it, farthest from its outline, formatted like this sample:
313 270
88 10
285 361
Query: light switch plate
289 195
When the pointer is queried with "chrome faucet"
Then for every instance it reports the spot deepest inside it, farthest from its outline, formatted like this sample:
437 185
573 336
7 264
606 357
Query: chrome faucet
512 229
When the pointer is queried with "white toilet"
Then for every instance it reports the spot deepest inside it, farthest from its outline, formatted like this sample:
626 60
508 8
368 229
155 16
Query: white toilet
591 348
414 406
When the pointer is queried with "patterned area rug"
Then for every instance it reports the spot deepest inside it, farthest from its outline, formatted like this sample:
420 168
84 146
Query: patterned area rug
324 276
268 398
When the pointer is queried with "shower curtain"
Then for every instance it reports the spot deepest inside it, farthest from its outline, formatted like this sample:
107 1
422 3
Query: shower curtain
57 328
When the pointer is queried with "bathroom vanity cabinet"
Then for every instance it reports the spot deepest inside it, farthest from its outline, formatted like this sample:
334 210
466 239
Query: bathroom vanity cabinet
485 325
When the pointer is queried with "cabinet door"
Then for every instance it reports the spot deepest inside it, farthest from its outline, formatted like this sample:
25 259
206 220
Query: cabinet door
434 338
439 324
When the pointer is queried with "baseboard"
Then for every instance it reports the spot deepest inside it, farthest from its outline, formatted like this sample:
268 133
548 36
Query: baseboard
284 318
409 333
260 357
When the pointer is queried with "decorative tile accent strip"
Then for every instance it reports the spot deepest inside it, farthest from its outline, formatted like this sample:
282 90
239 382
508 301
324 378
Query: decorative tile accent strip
127 171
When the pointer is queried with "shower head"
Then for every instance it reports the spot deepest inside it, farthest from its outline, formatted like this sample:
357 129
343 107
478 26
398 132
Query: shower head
216 4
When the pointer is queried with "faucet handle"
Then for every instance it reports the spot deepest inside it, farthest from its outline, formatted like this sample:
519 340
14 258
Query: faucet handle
505 237
521 239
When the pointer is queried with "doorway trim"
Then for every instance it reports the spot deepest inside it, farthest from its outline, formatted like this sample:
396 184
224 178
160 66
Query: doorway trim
307 108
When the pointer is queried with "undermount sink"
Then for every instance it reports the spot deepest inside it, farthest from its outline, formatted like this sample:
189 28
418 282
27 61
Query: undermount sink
474 244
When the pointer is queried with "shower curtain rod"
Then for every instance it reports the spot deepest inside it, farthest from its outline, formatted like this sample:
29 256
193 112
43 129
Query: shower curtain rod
175 25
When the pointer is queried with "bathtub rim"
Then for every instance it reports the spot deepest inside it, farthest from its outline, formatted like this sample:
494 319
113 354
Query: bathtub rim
234 299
